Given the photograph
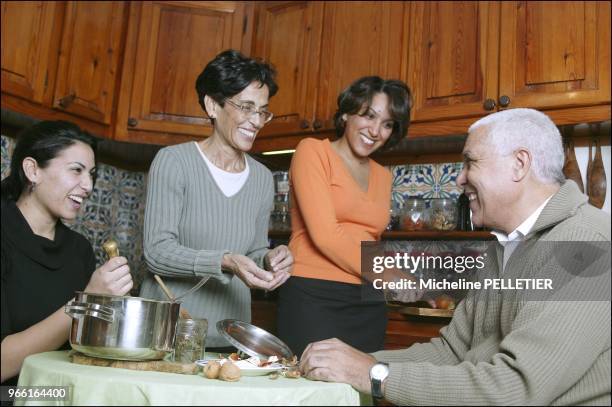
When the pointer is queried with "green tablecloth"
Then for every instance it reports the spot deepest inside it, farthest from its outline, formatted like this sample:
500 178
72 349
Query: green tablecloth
92 385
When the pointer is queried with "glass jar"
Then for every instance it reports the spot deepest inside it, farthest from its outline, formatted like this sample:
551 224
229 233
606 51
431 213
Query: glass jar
413 214
394 217
281 182
190 340
443 214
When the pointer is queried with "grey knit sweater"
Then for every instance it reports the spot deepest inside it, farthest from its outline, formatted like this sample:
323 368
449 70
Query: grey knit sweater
190 224
499 349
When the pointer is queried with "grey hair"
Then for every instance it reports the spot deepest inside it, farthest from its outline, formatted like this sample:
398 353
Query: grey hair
511 129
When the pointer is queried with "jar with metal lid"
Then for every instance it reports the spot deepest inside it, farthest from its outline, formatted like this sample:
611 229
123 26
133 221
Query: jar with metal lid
443 214
190 341
413 214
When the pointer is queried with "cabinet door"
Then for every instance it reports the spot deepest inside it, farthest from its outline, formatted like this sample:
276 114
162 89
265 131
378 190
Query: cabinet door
452 66
367 39
173 44
288 35
30 35
555 54
87 73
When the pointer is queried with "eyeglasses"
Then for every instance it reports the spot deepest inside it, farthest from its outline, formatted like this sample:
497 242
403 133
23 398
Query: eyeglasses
249 110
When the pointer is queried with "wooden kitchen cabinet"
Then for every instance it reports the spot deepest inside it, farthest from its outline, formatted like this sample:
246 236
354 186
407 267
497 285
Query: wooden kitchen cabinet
289 36
471 58
357 41
319 48
168 45
87 74
405 330
30 38
554 53
453 57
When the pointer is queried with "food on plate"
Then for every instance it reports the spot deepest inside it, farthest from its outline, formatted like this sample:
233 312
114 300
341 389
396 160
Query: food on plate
273 376
445 302
229 372
212 369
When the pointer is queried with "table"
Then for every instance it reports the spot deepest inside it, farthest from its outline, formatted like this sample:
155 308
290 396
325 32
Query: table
93 385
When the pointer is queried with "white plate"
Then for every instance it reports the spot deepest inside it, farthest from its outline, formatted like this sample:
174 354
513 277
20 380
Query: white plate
246 370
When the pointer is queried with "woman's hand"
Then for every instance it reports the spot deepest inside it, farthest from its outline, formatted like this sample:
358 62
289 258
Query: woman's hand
245 269
279 259
113 277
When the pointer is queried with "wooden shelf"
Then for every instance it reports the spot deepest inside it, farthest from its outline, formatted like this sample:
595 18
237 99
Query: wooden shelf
420 235
437 235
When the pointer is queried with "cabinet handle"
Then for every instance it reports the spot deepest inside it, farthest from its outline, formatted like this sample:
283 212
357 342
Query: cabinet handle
317 124
489 104
304 124
132 122
66 100
504 101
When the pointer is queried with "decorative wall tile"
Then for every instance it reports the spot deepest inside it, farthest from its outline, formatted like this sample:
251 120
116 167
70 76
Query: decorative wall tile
8 144
425 181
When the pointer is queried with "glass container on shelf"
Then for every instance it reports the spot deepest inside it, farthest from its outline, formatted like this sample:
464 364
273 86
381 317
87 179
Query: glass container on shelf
394 217
442 214
413 215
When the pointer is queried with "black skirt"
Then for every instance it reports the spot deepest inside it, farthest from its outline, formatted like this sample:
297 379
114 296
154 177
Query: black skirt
311 310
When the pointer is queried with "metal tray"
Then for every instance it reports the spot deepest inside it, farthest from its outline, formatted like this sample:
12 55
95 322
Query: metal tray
253 340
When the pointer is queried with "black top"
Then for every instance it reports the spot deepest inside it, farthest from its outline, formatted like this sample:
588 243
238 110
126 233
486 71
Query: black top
39 275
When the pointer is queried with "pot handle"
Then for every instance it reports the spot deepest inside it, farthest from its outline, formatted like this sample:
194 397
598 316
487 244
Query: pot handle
80 309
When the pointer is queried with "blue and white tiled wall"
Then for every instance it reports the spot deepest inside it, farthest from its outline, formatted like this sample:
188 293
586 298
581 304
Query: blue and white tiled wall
425 181
114 209
116 206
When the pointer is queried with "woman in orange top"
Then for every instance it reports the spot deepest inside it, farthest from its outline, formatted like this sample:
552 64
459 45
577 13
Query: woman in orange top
340 197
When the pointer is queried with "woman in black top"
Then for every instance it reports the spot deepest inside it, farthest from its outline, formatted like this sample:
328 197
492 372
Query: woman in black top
44 262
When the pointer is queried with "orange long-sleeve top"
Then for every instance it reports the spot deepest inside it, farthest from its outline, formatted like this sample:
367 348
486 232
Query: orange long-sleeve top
331 214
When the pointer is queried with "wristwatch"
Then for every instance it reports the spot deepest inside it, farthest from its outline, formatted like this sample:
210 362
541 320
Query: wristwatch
378 374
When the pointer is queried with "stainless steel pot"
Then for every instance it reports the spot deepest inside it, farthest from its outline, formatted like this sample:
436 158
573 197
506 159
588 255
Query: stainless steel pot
125 328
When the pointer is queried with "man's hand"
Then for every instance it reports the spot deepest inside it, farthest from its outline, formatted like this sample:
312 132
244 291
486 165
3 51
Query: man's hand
279 259
113 277
332 360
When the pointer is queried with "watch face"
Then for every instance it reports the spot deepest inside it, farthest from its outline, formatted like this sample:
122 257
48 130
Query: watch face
379 371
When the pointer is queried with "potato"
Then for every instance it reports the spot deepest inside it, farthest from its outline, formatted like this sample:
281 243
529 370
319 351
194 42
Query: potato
212 369
229 372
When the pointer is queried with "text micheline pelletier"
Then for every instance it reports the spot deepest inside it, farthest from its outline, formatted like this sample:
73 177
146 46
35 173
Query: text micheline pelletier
408 263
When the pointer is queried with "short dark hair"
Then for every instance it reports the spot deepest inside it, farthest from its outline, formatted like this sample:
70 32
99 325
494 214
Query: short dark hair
230 73
352 100
43 142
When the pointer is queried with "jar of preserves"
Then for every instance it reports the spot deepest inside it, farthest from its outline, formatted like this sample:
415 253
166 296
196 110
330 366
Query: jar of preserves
413 214
190 340
443 214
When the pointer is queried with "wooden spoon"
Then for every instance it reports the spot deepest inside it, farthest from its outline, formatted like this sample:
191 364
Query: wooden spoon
593 129
597 179
570 168
183 313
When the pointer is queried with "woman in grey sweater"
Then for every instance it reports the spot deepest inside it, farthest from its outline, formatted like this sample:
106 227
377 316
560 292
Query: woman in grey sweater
208 202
